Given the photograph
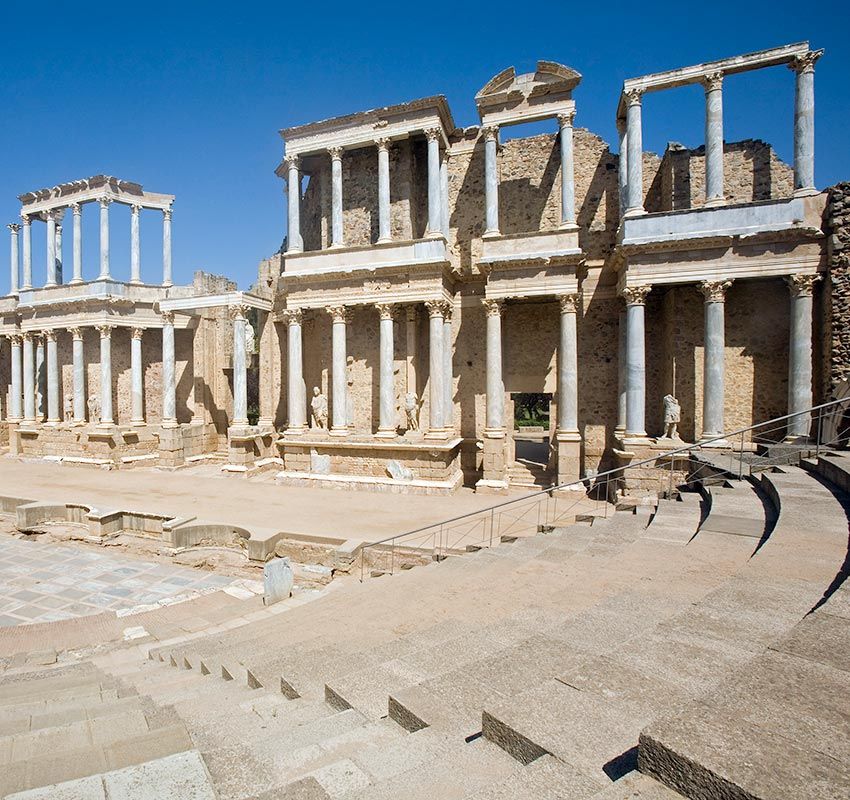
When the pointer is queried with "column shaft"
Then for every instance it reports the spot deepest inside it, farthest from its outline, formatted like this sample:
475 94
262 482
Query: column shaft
491 180
437 396
105 374
295 244
635 152
568 367
714 192
448 378
384 225
336 197
495 421
167 278
137 381
51 249
79 367
623 171
135 254
40 379
169 384
27 254
713 386
104 239
53 417
568 198
386 405
29 378
59 261
622 383
635 361
800 355
77 244
240 366
297 394
14 259
444 195
339 399
15 408
804 121
434 194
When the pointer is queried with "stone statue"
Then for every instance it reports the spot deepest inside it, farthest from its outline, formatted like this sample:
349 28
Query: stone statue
672 417
94 408
411 409
249 339
68 407
319 404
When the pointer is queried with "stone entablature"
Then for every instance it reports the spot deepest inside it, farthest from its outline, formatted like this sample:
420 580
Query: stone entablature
90 190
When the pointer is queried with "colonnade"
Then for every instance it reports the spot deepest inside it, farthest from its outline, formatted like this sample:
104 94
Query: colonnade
21 258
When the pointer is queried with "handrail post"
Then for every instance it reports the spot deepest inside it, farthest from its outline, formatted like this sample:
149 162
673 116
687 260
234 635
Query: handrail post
670 484
819 434
492 515
392 559
741 458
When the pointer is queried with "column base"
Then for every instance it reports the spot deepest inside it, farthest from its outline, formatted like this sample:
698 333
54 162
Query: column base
631 439
569 225
106 277
75 281
52 423
637 211
384 240
133 281
106 423
265 422
297 431
714 202
805 191
495 433
169 424
49 284
137 422
437 433
385 433
711 442
491 234
801 439
167 284
339 432
241 424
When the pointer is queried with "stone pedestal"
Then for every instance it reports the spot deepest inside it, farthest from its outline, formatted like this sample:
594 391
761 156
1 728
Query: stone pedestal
494 477
568 447
171 452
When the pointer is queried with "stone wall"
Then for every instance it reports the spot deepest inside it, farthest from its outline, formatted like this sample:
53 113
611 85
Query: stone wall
836 295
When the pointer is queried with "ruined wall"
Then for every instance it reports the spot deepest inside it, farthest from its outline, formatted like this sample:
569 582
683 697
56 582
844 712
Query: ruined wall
836 294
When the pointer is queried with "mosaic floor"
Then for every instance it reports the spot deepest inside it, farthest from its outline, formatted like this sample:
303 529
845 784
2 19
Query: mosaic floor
44 582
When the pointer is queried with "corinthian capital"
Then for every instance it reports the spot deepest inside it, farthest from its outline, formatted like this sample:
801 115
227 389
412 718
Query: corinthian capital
712 81
432 134
636 295
566 119
335 152
490 133
493 308
14 227
237 311
293 316
105 330
385 310
569 303
167 317
338 313
383 143
801 284
292 161
633 96
104 202
714 291
805 62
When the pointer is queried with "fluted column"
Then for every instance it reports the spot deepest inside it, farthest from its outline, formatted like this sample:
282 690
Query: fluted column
448 377
14 258
337 236
167 278
60 261
104 239
169 377
568 191
714 383
137 378
800 355
635 361
714 192
804 121
135 249
29 377
568 367
437 395
79 367
495 422
27 252
15 408
238 313
491 179
444 194
51 248
295 244
40 379
384 225
339 398
434 194
386 405
53 417
297 393
77 244
623 170
105 374
622 382
634 140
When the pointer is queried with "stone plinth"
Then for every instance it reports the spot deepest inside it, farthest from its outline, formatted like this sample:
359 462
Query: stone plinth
72 444
654 477
494 476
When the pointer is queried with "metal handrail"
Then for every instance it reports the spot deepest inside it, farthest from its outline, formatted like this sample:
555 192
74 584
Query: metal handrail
605 477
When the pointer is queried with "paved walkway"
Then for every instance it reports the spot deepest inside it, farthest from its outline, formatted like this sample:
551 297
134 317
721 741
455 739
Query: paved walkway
215 498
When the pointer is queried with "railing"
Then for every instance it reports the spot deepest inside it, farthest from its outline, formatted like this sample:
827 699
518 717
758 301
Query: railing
732 453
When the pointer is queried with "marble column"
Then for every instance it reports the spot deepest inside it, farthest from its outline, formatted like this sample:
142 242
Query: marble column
27 252
106 374
169 376
294 242
634 140
384 225
51 248
495 420
15 409
568 367
337 237
623 168
800 355
135 250
448 377
339 398
40 379
14 258
296 391
53 417
568 190
29 377
434 194
714 359
386 405
437 395
167 278
104 239
622 383
238 313
137 378
444 194
714 191
635 361
491 179
270 362
804 121
60 261
79 367
77 244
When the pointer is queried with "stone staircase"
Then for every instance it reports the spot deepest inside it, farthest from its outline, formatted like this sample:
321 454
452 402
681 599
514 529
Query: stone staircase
529 475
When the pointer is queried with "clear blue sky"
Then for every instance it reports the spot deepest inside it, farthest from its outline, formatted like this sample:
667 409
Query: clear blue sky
187 98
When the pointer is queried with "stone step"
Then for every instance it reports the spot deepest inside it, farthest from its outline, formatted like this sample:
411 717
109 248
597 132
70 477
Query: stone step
637 786
676 520
833 468
740 510
70 701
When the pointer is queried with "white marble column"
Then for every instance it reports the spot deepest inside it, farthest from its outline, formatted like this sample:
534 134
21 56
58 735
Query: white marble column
623 167
53 417
339 398
434 194
714 191
79 367
622 383
105 375
448 377
296 390
568 190
294 242
337 236
804 121
714 359
167 277
60 260
77 244
137 378
384 225
28 355
14 258
238 313
135 248
104 239
169 376
800 355
495 421
386 404
568 367
51 248
635 361
437 395
27 252
634 140
444 194
40 379
491 179
15 408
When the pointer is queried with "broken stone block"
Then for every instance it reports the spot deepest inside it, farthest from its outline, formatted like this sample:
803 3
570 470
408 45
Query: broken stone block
277 581
398 471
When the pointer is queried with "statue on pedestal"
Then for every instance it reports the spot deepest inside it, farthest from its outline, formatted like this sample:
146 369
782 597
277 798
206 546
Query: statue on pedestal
411 409
672 417
69 410
94 408
319 405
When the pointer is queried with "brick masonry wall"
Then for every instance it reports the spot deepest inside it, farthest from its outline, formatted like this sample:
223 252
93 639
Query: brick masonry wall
836 295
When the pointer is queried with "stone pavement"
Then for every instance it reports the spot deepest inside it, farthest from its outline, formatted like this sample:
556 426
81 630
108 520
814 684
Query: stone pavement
45 582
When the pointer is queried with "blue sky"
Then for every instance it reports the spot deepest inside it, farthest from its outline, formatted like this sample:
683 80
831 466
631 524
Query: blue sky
188 98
